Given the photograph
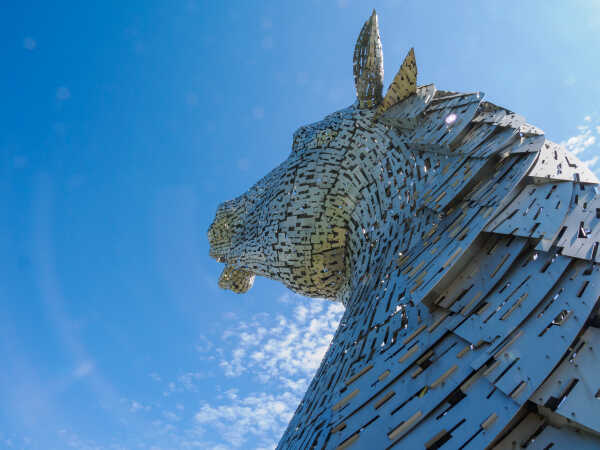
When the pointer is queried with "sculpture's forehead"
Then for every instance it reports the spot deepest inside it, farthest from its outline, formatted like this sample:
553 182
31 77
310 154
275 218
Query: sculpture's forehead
307 136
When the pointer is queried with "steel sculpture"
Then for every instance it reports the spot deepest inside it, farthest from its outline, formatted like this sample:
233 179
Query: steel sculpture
464 246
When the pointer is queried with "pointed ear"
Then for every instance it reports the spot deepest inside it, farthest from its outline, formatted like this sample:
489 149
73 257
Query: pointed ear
404 84
368 64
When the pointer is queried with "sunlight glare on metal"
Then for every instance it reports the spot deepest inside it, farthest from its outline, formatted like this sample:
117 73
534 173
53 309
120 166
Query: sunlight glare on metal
450 119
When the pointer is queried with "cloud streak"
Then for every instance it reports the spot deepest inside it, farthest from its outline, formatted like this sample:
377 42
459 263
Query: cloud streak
262 416
280 353
252 377
285 349
585 142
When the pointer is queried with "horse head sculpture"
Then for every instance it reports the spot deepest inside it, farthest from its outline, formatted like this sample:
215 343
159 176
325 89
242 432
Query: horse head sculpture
302 222
463 245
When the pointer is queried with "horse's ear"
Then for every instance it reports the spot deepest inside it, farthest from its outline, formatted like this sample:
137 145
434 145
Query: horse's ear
404 84
368 64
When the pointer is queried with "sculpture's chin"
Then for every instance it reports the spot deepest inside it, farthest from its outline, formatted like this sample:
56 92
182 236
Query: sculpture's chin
236 280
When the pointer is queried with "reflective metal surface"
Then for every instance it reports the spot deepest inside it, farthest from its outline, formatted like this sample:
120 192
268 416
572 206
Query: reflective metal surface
463 246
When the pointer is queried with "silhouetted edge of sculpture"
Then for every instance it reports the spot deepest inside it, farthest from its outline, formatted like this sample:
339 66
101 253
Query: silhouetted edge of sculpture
464 246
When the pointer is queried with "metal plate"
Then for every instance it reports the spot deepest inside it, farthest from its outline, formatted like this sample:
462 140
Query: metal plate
555 163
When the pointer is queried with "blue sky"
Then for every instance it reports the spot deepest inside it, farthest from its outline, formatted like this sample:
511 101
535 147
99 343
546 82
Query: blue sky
124 124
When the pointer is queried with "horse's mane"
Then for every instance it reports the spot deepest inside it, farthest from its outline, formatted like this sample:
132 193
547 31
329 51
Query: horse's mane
503 227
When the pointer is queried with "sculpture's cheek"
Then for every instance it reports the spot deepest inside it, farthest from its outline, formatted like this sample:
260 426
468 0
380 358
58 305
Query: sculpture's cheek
321 269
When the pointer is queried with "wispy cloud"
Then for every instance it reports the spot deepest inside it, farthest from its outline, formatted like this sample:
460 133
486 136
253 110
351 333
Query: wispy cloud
591 162
287 350
251 379
584 139
280 354
261 416
585 142
135 406
257 375
188 380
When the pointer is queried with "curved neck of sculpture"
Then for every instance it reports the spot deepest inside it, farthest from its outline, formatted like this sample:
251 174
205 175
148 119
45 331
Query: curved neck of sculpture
370 256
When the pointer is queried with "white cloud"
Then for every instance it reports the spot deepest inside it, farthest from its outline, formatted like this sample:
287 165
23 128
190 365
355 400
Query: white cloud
268 361
579 143
281 352
591 162
584 143
135 406
188 380
205 345
284 349
285 298
260 415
